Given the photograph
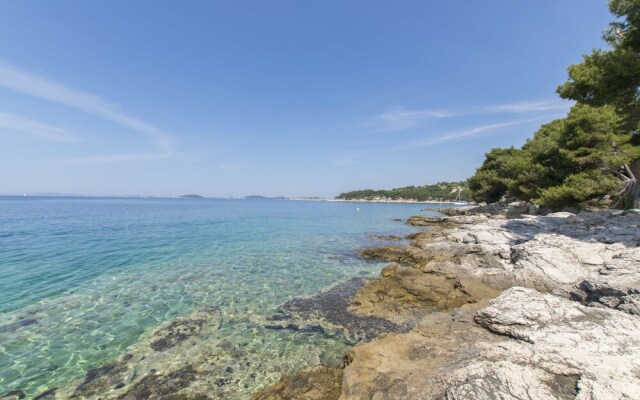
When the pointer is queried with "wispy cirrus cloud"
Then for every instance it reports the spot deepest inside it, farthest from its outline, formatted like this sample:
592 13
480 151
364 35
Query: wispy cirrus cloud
116 158
531 107
436 138
399 118
26 83
467 133
17 123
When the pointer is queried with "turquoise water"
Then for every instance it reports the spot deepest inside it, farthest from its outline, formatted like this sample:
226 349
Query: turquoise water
81 279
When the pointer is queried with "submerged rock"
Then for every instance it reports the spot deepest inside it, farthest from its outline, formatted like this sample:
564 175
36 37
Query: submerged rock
164 365
181 329
47 395
165 386
329 313
13 395
387 238
320 383
18 324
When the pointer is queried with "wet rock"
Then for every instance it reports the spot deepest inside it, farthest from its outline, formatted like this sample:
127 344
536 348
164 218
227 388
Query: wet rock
329 313
13 395
386 253
157 386
99 378
414 235
387 238
404 294
426 221
181 329
47 395
162 365
320 383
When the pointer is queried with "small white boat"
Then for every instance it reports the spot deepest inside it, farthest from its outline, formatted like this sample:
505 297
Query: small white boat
458 201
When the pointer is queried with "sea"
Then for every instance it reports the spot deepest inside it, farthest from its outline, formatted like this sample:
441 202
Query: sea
82 279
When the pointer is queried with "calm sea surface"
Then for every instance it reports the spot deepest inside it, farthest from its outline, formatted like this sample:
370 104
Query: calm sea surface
83 278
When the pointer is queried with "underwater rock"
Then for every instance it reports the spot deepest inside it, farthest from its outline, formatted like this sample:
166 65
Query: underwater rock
181 329
329 313
388 238
18 324
99 378
163 365
161 386
47 395
320 383
13 395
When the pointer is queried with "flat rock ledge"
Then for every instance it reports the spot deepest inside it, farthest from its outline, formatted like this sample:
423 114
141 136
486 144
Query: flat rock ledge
502 304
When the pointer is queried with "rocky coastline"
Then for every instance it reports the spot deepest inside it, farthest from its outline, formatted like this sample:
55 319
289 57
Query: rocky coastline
482 303
494 303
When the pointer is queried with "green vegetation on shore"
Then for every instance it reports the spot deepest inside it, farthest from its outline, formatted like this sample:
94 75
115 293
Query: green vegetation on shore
593 155
442 191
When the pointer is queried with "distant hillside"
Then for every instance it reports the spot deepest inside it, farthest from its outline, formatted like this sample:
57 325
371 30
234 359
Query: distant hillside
442 191
191 196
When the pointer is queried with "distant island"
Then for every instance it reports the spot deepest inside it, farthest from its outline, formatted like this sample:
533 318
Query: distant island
442 191
191 196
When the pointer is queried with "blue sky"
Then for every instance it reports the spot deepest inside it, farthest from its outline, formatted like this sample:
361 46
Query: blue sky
232 98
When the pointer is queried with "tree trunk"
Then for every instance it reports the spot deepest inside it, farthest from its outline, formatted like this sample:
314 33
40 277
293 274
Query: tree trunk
634 190
634 194
631 193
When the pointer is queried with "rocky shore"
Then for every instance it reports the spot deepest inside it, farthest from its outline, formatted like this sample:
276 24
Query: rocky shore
492 304
483 303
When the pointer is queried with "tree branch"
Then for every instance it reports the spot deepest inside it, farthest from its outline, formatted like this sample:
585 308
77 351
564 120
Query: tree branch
617 173
633 177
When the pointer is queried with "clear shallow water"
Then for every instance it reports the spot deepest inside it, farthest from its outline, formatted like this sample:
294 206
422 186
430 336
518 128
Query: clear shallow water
81 279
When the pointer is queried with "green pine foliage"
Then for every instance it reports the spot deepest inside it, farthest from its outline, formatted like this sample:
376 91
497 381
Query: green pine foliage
594 153
580 188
